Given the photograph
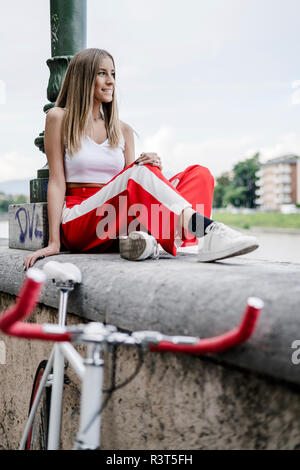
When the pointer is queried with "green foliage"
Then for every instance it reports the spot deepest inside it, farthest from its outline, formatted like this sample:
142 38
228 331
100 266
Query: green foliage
20 199
223 184
259 219
234 196
7 199
239 190
244 177
219 192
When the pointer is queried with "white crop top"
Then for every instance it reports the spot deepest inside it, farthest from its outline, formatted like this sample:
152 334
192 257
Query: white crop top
94 163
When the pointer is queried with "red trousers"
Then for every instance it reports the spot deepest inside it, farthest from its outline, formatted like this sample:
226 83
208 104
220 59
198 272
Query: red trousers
139 197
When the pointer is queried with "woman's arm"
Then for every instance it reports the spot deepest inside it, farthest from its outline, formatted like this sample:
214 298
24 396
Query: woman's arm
129 151
54 149
149 157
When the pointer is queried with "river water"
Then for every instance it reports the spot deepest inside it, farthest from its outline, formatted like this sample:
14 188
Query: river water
277 247
3 229
284 247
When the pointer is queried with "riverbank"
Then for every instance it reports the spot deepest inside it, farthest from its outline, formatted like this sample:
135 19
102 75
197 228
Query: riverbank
260 220
274 230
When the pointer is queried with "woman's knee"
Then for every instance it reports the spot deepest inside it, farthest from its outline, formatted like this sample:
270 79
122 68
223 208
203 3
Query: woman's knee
203 172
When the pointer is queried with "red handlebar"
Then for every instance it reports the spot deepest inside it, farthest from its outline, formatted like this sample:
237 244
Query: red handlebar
29 294
28 297
222 342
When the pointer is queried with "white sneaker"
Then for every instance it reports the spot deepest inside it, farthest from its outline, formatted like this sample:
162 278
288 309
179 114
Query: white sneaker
222 242
138 246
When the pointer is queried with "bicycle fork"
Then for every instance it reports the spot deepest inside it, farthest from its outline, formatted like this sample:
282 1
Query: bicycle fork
88 437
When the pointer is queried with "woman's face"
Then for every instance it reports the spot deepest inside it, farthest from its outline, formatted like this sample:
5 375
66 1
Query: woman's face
105 81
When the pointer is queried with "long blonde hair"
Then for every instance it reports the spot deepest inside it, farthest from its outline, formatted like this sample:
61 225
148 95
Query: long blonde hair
77 96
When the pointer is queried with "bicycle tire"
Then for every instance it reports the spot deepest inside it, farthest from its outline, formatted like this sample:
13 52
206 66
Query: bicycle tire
38 435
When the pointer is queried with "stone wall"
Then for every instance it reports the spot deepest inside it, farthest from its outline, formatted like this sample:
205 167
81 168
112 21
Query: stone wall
245 398
175 401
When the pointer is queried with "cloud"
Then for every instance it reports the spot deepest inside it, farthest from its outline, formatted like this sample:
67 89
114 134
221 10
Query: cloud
129 71
12 117
2 92
138 10
286 144
14 165
218 155
295 98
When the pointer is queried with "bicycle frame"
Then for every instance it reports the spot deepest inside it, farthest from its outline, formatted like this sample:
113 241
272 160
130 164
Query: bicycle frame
89 371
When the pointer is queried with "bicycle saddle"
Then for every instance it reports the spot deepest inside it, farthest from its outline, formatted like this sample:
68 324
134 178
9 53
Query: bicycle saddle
62 271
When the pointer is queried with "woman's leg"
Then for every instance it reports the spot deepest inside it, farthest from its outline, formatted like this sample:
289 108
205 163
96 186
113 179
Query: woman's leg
218 241
78 234
196 185
140 194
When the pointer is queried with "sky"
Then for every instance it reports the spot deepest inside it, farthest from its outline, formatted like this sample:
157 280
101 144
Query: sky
201 82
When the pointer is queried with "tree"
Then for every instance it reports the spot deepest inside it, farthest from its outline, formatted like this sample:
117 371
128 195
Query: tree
5 203
244 180
222 184
234 196
240 189
7 199
20 199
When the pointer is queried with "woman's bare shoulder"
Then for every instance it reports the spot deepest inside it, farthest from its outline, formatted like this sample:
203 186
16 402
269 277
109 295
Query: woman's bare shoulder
127 130
125 127
56 113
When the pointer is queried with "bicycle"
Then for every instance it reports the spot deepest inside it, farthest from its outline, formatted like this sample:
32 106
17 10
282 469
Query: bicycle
44 427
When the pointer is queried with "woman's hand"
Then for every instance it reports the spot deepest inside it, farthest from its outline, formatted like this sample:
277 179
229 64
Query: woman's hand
151 158
51 249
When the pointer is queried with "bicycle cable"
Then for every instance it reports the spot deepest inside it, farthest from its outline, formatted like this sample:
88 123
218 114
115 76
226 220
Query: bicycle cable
131 377
113 385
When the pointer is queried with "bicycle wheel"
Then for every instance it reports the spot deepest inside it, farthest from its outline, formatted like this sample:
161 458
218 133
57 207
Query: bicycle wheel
38 434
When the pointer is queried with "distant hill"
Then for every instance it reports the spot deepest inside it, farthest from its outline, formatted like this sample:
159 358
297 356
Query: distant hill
15 187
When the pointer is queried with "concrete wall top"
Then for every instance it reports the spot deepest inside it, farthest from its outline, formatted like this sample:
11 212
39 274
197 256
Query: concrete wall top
180 296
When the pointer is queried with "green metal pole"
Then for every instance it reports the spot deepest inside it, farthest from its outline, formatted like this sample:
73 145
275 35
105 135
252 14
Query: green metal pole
68 26
68 36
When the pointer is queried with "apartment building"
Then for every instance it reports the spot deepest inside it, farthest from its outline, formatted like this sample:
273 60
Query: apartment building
278 183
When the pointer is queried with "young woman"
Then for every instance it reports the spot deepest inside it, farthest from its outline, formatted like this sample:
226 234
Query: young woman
98 192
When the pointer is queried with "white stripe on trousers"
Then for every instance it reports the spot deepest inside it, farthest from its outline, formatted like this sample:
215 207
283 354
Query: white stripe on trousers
141 175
